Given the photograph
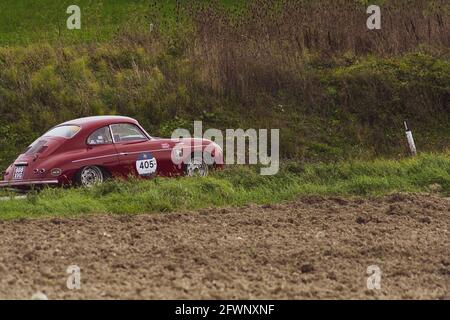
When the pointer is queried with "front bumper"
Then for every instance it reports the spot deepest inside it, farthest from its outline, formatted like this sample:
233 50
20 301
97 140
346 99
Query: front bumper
27 183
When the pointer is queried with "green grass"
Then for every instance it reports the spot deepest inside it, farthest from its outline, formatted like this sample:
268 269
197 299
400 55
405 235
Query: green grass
239 185
28 21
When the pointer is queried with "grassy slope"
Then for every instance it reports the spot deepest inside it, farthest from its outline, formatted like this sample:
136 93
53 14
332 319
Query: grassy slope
345 110
328 106
239 186
25 21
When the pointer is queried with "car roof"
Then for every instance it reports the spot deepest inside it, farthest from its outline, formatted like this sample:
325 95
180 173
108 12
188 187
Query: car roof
98 121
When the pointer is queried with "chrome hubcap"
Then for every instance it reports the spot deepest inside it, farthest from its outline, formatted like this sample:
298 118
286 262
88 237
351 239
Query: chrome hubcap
91 176
196 166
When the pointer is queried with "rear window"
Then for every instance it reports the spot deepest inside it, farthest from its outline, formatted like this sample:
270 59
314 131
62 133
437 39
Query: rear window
36 147
63 132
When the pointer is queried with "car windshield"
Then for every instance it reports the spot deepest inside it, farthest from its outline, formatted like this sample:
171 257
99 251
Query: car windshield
63 131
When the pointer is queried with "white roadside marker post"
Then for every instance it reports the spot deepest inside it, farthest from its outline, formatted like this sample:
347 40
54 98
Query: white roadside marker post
409 137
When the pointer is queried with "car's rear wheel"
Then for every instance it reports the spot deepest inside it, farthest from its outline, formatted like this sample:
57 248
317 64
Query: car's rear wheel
90 176
196 166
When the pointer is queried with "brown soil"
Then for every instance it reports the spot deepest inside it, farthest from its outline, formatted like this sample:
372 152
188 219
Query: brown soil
311 248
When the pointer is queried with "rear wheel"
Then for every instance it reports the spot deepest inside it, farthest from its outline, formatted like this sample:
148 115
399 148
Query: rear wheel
90 176
196 166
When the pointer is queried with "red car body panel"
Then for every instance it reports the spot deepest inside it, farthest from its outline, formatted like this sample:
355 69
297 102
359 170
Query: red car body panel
58 159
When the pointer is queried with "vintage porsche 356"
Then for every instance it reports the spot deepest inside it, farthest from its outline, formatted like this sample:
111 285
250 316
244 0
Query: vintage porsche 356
87 151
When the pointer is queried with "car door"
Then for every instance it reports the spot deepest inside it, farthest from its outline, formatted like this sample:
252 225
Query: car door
138 154
100 151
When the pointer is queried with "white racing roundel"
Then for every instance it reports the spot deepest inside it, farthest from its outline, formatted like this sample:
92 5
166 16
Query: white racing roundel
146 164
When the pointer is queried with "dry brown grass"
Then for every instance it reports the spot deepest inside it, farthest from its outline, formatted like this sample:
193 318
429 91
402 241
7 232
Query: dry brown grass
265 46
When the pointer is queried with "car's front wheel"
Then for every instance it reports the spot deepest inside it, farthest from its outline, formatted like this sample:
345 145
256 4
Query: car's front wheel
90 176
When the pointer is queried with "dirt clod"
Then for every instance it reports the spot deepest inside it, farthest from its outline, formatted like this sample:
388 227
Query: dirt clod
307 268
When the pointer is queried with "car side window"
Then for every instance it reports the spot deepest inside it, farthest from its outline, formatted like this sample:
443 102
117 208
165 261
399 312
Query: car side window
100 136
124 132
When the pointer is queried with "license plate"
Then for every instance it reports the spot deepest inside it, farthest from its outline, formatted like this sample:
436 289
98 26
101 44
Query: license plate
18 173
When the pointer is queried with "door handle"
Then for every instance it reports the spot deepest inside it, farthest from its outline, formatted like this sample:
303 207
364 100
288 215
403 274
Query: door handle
123 154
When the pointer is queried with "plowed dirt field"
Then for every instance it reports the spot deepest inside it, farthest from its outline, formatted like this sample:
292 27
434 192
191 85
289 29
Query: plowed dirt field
311 248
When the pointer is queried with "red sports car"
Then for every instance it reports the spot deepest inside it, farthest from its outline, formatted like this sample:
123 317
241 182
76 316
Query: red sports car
86 151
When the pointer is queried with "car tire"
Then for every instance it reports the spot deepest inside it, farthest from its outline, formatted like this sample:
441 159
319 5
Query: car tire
196 166
89 176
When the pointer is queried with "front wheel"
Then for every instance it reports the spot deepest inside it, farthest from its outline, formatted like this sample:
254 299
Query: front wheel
196 166
90 176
